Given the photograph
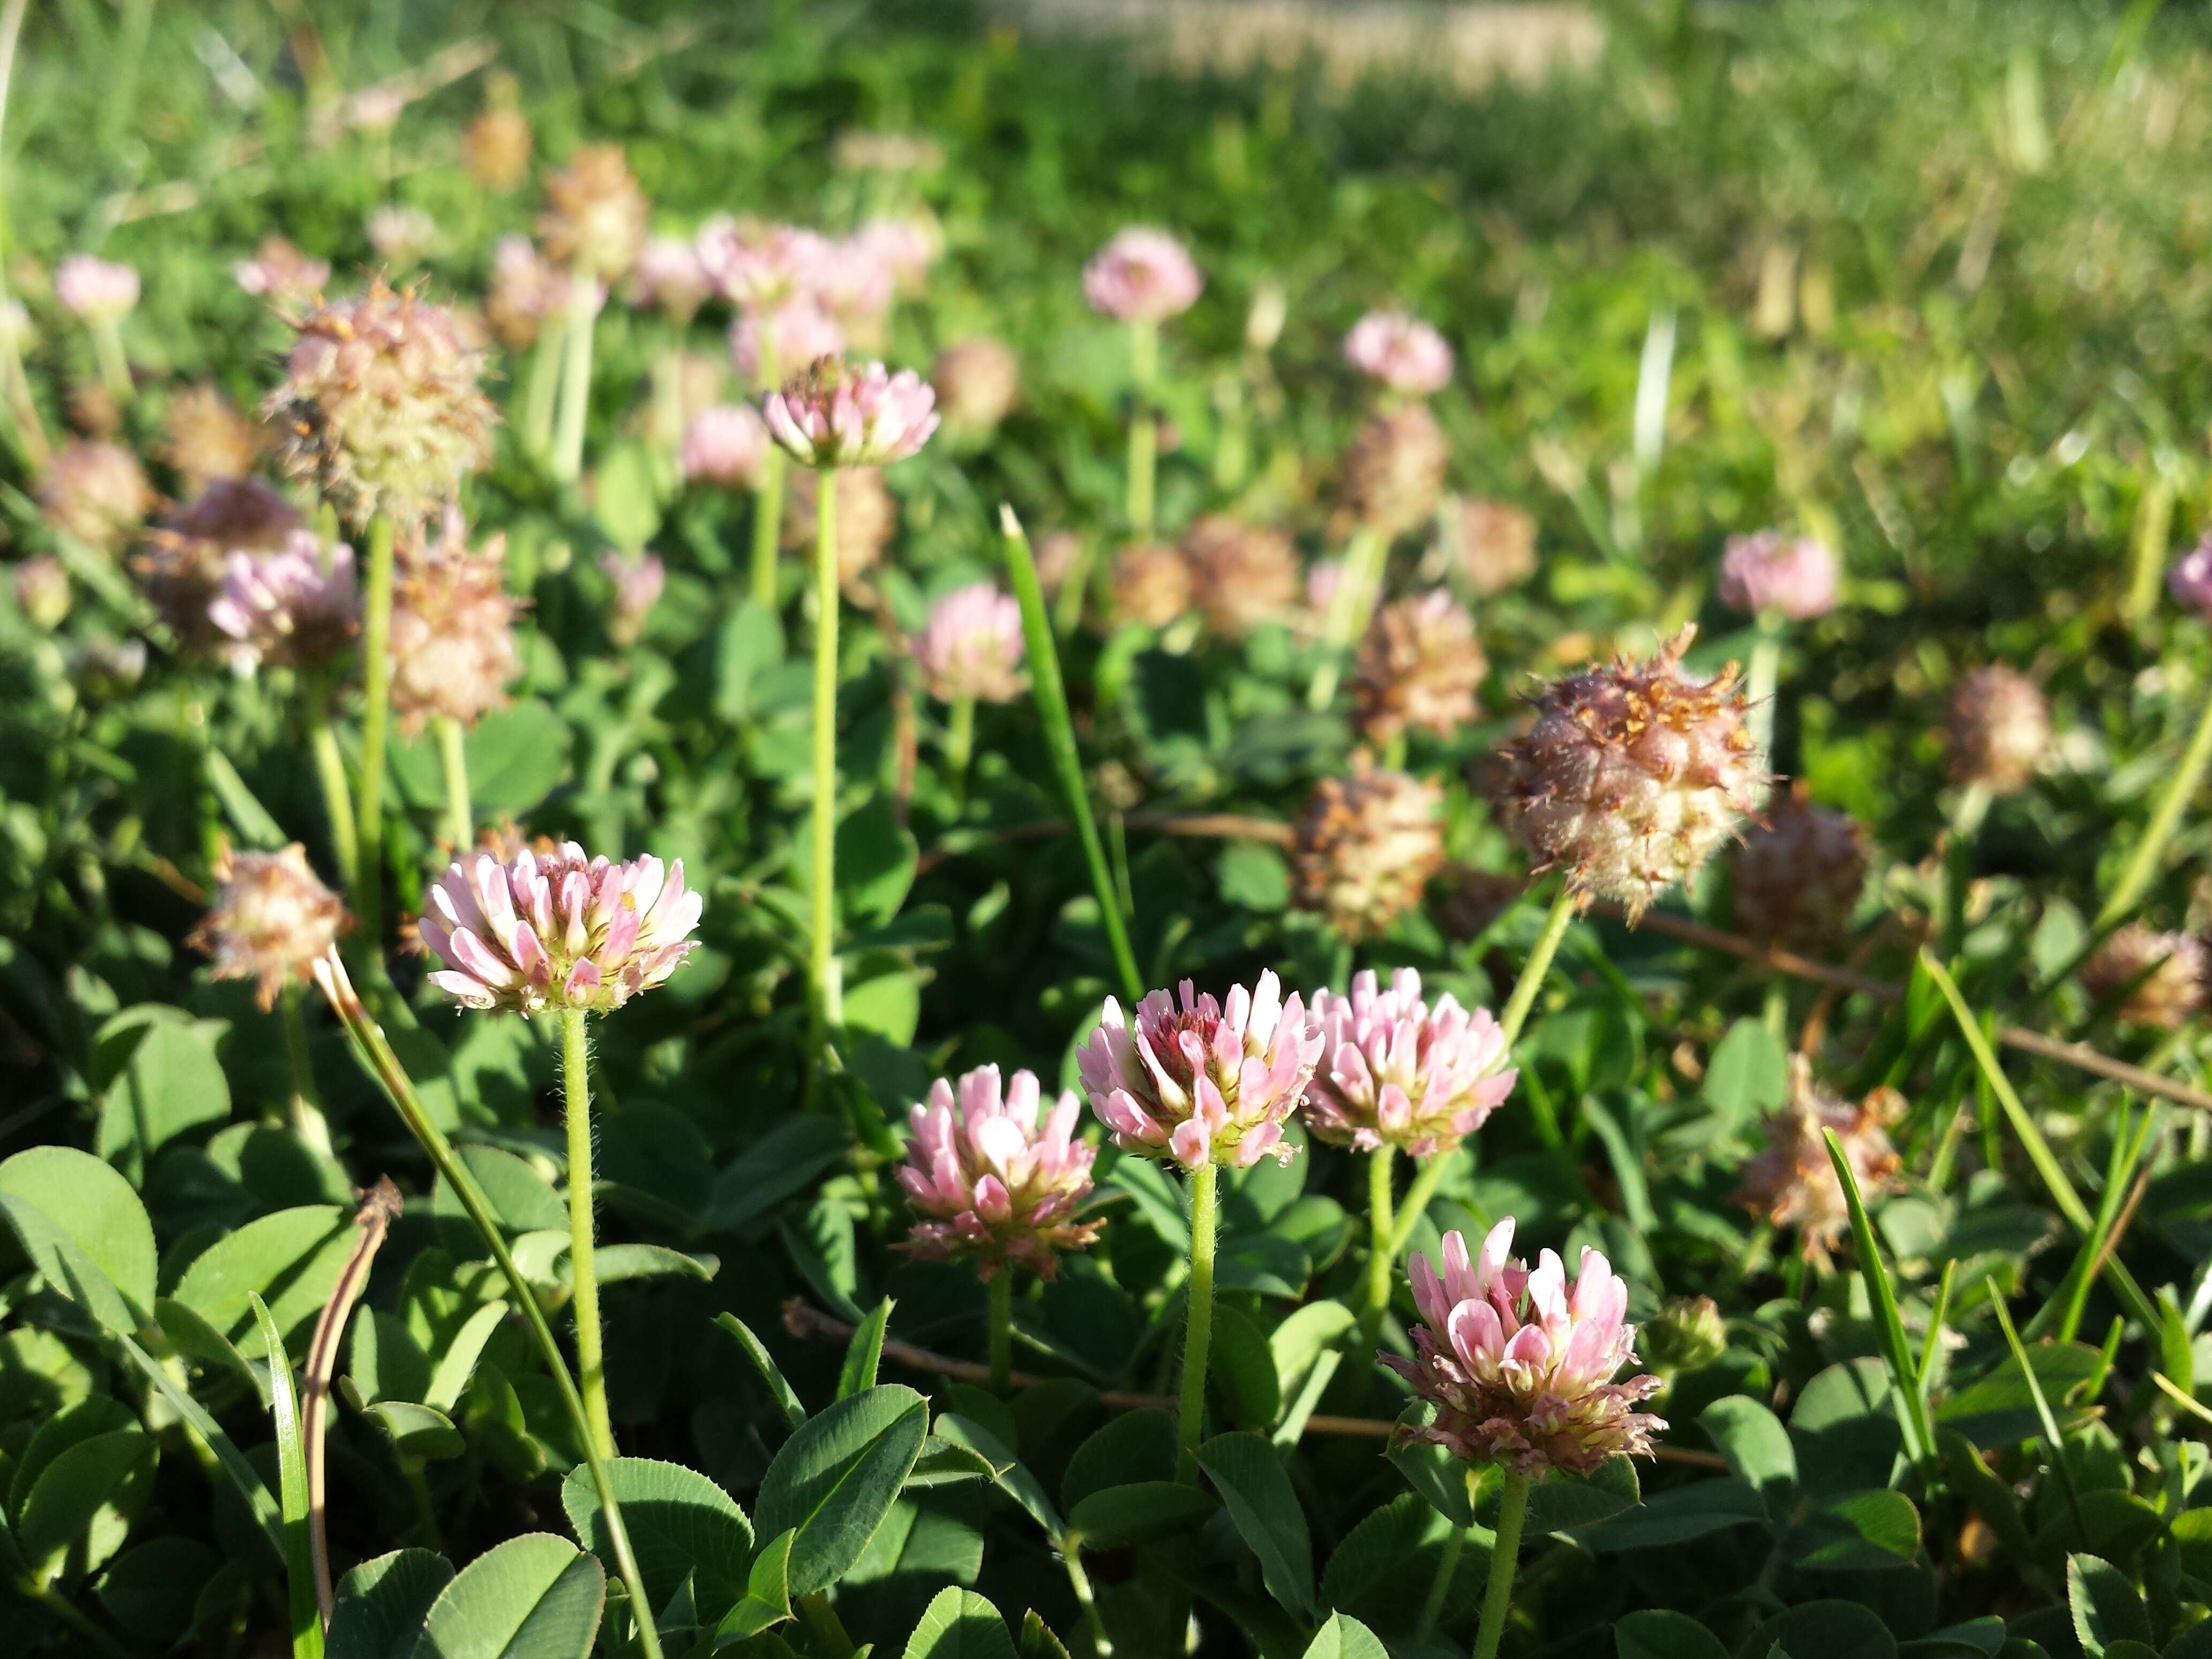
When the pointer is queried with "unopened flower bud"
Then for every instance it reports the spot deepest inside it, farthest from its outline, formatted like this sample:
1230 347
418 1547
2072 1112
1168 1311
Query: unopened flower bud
1689 1333
2159 979
1366 848
271 919
1798 875
1631 776
1241 574
1418 669
1793 1183
2000 727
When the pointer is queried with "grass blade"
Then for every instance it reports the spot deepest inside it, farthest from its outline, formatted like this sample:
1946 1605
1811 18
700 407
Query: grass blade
1050 694
2043 1414
2031 1140
292 1479
1903 1375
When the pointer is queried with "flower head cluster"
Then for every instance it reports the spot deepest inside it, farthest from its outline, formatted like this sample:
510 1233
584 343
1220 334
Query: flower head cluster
837 415
1999 726
524 290
97 492
594 222
759 267
452 630
1799 874
995 1179
725 445
2190 581
1199 1081
903 248
96 289
1631 776
978 381
1401 352
798 330
402 233
495 146
556 929
180 565
205 436
1519 1362
1494 544
1241 574
1366 848
669 276
2161 979
638 581
1418 668
1141 276
1394 470
971 646
1792 1183
1149 584
1395 1072
1795 575
294 607
380 406
272 917
280 271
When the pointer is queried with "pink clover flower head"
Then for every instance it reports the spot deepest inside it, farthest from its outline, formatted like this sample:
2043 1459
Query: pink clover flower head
1519 1362
292 606
995 1178
971 646
2190 581
1401 351
669 275
638 582
280 271
759 266
837 415
1396 1072
797 330
854 285
1199 1082
556 929
724 445
1768 571
1141 276
905 249
96 289
402 233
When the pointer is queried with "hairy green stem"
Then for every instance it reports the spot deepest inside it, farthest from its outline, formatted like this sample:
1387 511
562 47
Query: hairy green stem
1430 1175
541 398
376 722
1432 1605
823 997
576 378
2165 818
1381 1259
114 362
1070 1556
1144 427
1359 585
307 1106
1002 1329
1198 1332
959 744
376 1058
1505 1556
1050 696
453 756
577 1094
330 775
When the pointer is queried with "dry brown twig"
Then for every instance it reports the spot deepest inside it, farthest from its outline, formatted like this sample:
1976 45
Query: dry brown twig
804 1320
378 1208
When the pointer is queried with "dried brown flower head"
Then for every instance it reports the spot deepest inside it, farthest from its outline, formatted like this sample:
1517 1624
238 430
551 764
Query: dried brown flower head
1150 584
96 492
1241 574
2000 727
205 436
180 564
595 216
867 519
452 631
1366 848
1793 1183
1418 669
271 919
1798 876
2159 977
1395 469
1494 544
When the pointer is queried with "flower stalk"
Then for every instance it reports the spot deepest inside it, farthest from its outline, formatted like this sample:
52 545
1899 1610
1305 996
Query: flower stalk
825 994
1380 1233
375 724
377 1059
453 757
306 1104
330 776
591 1362
768 496
1197 1329
1358 588
1504 1557
2180 790
1001 1288
576 377
1144 426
